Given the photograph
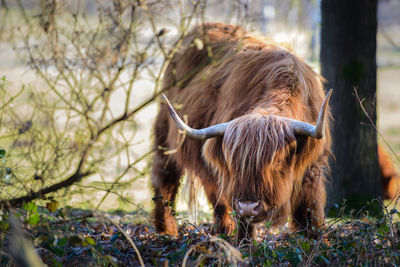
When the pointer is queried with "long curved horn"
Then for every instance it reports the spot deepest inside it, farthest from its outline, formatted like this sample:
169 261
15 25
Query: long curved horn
299 127
200 134
317 131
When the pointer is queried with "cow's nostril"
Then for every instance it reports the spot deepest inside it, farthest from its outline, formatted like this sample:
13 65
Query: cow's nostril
248 208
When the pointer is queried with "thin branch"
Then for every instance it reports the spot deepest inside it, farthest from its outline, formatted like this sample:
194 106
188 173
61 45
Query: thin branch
130 241
16 202
388 38
373 124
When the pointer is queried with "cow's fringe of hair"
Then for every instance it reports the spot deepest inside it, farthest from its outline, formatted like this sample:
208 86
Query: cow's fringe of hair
256 150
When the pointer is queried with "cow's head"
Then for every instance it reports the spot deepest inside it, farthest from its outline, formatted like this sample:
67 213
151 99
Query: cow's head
254 158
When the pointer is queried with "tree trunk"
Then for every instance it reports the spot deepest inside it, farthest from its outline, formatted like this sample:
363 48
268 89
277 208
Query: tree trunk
348 62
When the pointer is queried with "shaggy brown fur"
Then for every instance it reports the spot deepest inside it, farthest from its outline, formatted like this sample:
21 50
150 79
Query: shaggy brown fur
390 177
259 158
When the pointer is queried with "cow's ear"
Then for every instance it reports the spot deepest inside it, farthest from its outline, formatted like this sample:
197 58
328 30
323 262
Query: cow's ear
212 152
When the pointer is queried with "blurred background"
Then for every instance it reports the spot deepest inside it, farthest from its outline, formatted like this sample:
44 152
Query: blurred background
81 79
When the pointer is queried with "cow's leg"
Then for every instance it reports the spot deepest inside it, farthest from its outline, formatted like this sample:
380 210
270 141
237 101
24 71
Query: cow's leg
165 179
223 217
245 231
308 208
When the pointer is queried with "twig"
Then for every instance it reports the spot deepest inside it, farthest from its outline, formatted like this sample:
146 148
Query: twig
16 202
129 239
232 253
108 191
388 38
373 125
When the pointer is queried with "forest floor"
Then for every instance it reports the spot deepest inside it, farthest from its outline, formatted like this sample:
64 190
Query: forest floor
72 237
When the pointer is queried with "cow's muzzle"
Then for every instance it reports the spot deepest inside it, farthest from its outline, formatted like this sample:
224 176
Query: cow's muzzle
247 208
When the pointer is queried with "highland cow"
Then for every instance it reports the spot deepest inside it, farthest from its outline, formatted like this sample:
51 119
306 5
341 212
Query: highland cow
259 136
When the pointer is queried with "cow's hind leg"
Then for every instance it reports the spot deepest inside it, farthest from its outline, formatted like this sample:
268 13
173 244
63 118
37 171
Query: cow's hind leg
165 179
308 208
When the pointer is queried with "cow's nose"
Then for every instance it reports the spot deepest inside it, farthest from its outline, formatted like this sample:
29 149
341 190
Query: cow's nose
248 208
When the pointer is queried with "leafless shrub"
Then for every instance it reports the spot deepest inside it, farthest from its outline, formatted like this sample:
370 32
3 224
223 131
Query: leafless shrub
97 72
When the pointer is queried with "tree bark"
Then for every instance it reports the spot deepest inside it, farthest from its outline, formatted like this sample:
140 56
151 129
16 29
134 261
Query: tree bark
348 62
